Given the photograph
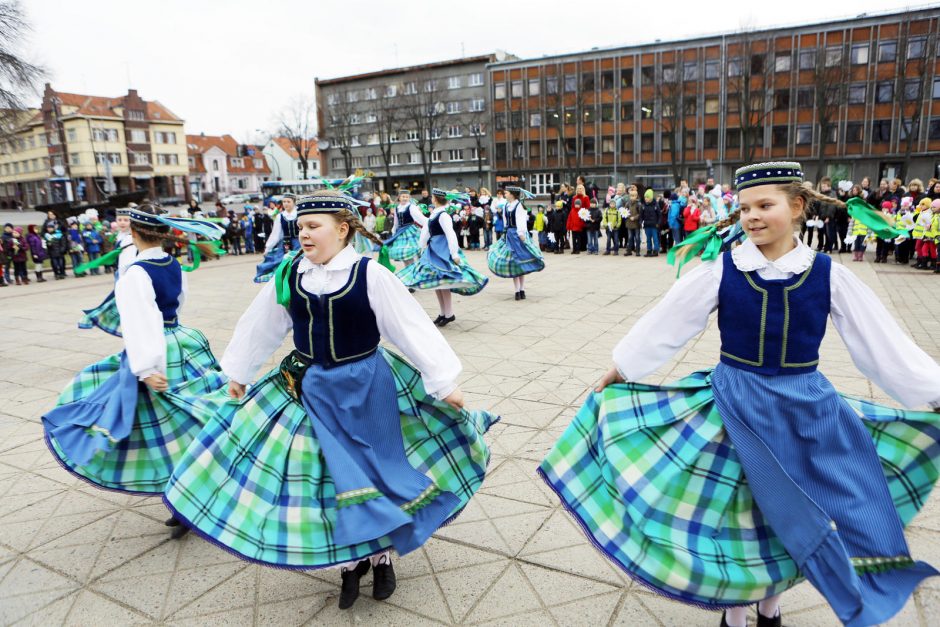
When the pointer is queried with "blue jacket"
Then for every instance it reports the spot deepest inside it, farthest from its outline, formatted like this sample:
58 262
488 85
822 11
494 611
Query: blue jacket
93 241
675 212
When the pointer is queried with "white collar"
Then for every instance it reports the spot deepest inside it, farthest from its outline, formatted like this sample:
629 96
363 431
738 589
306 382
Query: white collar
437 210
151 253
747 257
290 216
343 260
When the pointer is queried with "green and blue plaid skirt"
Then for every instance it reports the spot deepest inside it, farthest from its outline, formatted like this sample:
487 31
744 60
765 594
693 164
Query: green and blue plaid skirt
424 275
653 479
256 483
105 316
165 422
403 245
513 256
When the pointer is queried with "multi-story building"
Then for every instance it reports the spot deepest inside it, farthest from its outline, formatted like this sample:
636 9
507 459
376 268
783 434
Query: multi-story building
849 98
285 162
409 124
84 148
219 165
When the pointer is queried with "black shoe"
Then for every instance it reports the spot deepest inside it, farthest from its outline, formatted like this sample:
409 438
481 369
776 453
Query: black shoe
724 623
179 531
411 290
522 295
517 297
438 319
776 621
172 521
445 321
383 581
350 590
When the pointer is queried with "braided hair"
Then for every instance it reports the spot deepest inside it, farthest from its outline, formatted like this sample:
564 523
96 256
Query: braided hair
792 191
151 234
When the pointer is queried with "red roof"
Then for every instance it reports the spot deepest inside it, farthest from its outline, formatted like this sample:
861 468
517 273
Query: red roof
288 147
100 106
198 145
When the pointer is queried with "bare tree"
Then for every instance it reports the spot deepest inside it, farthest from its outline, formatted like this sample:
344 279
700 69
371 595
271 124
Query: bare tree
830 87
423 114
343 117
475 122
673 106
18 77
910 87
297 123
387 126
750 79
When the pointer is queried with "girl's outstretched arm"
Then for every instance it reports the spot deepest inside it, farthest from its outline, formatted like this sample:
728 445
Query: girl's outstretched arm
259 332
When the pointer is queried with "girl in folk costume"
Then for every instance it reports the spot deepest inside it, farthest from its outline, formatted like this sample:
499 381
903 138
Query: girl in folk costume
283 238
346 450
107 428
105 316
408 220
442 266
515 255
728 486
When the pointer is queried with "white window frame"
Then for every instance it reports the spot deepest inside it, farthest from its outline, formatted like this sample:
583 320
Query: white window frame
454 130
475 80
453 107
477 104
436 156
453 82
455 154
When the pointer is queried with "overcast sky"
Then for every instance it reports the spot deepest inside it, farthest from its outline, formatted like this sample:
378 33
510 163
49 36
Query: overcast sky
228 66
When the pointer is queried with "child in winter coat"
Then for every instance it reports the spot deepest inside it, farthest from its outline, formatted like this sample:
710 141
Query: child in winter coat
37 251
57 247
17 252
92 240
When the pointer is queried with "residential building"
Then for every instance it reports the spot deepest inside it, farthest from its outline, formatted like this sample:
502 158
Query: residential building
285 163
219 166
403 122
84 148
848 98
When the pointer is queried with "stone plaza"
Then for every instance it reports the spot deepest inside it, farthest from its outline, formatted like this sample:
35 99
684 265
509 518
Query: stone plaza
73 554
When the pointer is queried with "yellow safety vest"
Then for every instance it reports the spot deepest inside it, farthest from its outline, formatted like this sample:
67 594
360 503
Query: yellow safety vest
859 229
934 231
918 232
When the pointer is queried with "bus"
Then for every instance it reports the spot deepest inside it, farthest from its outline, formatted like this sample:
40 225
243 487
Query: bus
271 191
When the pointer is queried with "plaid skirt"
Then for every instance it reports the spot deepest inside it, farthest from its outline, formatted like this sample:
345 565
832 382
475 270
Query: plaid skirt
425 275
403 245
256 482
159 425
653 479
105 316
513 256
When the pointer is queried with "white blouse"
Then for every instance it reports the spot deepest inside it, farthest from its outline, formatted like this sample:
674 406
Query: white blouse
416 215
878 347
128 251
447 226
276 231
522 218
141 320
400 319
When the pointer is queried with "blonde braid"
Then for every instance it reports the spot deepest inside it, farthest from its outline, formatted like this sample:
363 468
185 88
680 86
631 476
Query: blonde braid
153 236
730 220
356 226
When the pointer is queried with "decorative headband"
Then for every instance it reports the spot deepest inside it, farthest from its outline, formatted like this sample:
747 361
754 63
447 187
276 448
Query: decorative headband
772 173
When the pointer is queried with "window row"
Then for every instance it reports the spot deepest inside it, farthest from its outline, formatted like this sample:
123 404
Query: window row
410 87
411 158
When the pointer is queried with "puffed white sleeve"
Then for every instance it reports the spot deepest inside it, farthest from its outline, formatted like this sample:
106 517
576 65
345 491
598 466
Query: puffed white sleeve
141 323
681 315
416 214
184 292
425 236
259 332
448 227
403 322
275 237
522 221
880 349
394 219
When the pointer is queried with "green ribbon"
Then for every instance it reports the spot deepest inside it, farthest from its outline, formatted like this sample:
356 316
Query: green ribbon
385 260
705 241
197 254
281 275
879 223
107 259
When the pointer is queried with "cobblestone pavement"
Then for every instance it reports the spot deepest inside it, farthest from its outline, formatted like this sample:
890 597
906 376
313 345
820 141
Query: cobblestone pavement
70 553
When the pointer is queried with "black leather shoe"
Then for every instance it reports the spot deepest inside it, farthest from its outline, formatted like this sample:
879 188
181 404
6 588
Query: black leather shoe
776 621
383 581
517 296
445 321
522 295
172 521
724 623
350 590
438 319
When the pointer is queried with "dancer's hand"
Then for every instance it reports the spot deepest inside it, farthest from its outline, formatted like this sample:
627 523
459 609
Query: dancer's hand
611 376
456 260
455 399
157 382
236 389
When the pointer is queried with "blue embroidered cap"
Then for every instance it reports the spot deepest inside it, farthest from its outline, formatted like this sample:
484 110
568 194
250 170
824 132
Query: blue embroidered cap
519 191
323 203
440 193
146 218
771 173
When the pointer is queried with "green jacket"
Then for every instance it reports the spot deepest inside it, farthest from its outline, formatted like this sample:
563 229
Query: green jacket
611 219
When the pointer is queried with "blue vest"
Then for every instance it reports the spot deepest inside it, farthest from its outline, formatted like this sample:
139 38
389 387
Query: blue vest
167 278
337 328
404 217
434 224
289 228
510 212
773 327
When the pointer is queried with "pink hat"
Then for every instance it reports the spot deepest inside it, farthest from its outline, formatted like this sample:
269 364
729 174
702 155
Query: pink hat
907 201
935 204
887 204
